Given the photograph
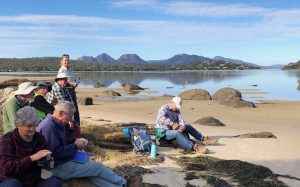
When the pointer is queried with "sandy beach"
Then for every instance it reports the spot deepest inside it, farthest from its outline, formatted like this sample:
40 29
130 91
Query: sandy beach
281 118
281 155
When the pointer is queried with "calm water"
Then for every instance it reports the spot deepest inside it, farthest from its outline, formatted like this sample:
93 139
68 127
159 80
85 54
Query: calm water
278 85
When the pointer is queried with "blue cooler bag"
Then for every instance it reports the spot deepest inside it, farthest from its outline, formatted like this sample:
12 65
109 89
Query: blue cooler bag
81 156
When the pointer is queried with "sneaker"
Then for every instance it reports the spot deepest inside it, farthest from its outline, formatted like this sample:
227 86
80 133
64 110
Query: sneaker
200 149
209 141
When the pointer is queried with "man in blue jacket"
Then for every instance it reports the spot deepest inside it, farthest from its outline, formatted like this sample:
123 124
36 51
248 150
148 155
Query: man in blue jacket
60 138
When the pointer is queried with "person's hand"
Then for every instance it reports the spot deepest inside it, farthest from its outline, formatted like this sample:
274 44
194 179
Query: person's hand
71 124
80 143
181 129
52 164
40 154
175 126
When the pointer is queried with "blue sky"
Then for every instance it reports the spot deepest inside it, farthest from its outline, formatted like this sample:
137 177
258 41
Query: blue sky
262 32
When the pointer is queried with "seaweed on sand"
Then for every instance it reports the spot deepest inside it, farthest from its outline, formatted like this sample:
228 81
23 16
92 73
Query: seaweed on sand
246 174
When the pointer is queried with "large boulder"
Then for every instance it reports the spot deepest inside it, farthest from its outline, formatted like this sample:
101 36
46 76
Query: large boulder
85 101
195 94
111 93
130 87
226 93
237 103
209 121
232 98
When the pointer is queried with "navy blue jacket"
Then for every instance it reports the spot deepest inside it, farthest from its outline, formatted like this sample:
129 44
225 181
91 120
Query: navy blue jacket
60 139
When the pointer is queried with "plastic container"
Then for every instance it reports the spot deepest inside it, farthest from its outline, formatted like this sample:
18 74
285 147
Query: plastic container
153 152
81 156
126 132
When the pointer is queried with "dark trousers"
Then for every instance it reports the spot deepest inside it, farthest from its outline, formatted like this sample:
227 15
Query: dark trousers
51 182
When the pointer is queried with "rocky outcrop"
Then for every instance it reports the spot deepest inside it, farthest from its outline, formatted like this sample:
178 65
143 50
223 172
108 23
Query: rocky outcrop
12 83
209 121
232 98
98 85
5 94
131 87
195 94
111 93
85 101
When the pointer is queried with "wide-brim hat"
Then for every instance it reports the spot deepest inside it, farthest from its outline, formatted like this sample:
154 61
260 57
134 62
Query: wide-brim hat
44 83
62 75
25 88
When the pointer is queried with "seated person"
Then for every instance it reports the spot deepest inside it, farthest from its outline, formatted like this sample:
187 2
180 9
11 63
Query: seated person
40 103
23 96
61 141
20 150
169 118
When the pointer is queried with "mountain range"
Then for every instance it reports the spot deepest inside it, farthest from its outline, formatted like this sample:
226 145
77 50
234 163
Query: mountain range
175 60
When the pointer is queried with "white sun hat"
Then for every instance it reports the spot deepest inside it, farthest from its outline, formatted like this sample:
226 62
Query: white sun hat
25 88
177 102
62 75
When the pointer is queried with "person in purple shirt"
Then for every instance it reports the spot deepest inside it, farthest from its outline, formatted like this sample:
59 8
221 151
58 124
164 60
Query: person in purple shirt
61 140
170 118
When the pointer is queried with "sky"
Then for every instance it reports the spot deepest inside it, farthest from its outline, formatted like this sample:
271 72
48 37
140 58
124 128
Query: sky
261 32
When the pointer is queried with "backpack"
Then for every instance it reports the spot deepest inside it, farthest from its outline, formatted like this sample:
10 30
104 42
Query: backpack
140 139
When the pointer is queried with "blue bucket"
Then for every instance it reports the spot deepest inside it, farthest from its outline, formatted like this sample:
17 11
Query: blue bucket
126 132
81 156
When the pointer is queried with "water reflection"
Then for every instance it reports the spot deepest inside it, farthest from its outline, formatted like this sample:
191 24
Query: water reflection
180 78
282 85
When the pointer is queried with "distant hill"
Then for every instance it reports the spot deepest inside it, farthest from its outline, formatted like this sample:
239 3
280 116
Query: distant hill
181 59
292 65
219 58
87 59
131 59
105 58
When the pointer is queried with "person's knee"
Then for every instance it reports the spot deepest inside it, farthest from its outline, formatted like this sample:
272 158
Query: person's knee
56 182
11 183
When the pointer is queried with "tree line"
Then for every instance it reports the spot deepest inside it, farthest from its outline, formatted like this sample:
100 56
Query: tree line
53 64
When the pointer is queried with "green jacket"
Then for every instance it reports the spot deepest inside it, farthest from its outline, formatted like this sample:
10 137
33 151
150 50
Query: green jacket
9 113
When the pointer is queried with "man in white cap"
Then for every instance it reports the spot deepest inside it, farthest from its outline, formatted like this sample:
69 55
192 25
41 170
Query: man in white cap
23 96
169 118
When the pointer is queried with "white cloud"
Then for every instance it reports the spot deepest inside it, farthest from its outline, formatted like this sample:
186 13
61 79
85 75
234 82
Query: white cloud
186 8
193 8
41 31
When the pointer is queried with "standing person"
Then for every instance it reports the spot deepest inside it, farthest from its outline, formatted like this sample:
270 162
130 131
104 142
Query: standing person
72 83
63 144
23 96
169 118
40 103
20 150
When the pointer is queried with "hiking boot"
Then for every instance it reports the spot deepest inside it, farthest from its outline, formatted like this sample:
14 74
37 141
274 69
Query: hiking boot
209 141
200 149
